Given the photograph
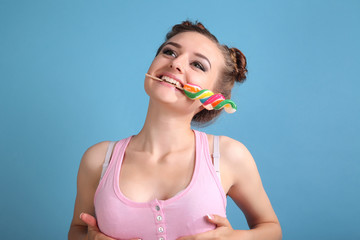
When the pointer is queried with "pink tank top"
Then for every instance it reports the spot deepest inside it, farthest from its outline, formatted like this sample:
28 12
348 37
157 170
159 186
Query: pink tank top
182 215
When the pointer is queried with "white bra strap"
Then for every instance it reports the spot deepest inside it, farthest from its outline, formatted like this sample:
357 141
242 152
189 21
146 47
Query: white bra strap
107 158
216 156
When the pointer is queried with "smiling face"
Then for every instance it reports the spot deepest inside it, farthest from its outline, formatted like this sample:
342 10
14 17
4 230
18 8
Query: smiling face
188 57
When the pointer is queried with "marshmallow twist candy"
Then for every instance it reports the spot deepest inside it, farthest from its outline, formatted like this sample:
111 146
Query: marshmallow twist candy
208 99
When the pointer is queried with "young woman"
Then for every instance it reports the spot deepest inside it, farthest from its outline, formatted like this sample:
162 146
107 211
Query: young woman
169 181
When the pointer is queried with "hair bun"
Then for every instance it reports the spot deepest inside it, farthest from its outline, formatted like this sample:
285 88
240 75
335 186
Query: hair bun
191 24
239 60
186 23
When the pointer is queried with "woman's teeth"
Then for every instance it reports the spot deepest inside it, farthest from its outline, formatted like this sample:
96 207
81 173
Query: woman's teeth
172 81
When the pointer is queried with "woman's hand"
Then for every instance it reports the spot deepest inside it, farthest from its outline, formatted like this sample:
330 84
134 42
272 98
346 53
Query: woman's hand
223 231
93 230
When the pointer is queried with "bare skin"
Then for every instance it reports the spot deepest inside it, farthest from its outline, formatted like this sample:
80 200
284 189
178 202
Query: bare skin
159 160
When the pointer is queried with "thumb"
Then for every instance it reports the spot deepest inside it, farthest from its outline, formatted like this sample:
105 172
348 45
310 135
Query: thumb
89 220
218 220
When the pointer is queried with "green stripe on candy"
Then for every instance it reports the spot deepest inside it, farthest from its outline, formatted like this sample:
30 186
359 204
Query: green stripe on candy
223 103
194 95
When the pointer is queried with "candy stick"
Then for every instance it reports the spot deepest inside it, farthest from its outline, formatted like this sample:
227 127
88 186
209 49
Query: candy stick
153 77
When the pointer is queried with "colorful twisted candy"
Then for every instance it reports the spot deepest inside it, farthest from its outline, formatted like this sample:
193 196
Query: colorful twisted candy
208 98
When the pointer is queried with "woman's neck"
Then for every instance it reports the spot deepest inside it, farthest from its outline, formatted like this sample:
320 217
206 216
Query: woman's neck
164 130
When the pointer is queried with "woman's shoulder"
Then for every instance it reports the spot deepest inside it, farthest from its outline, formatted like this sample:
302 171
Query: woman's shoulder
229 146
234 153
94 156
236 162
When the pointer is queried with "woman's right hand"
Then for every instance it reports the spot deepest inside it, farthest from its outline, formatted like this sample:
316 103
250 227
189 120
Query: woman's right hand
93 230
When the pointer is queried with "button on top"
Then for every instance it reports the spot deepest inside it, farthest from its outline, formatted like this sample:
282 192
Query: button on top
159 218
157 208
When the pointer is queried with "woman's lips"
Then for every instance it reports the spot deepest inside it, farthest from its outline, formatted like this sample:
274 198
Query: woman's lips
172 78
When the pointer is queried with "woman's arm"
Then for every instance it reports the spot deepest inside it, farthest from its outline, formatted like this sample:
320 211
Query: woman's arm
87 182
247 190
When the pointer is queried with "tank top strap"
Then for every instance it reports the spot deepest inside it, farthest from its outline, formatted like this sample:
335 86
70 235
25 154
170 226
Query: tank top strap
107 158
216 156
215 163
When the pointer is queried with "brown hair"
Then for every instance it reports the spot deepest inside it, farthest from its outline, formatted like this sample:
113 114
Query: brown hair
234 70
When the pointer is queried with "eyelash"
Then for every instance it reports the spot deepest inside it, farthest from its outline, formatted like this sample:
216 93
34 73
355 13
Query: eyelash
170 52
199 66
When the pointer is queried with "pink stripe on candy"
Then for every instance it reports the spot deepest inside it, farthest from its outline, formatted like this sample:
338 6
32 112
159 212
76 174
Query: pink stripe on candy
213 98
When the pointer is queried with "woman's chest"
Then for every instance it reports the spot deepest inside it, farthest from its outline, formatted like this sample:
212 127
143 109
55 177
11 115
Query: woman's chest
181 216
142 178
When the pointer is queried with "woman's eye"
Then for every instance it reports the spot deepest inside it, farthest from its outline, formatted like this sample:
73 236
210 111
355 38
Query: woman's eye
199 66
169 52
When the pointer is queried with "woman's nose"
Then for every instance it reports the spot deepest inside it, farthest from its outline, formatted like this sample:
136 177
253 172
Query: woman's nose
176 67
178 64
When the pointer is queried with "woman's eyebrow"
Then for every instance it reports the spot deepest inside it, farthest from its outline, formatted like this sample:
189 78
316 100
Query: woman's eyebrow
174 44
203 57
196 54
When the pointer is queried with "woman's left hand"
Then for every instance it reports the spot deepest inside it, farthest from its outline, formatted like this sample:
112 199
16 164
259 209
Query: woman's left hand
223 230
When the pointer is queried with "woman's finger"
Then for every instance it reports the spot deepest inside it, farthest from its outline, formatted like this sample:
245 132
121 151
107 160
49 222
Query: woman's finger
88 219
218 220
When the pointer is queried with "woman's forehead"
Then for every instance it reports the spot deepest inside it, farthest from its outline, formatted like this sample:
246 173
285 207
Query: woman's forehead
193 39
197 42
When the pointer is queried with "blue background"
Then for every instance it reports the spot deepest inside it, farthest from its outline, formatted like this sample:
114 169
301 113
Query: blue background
72 75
